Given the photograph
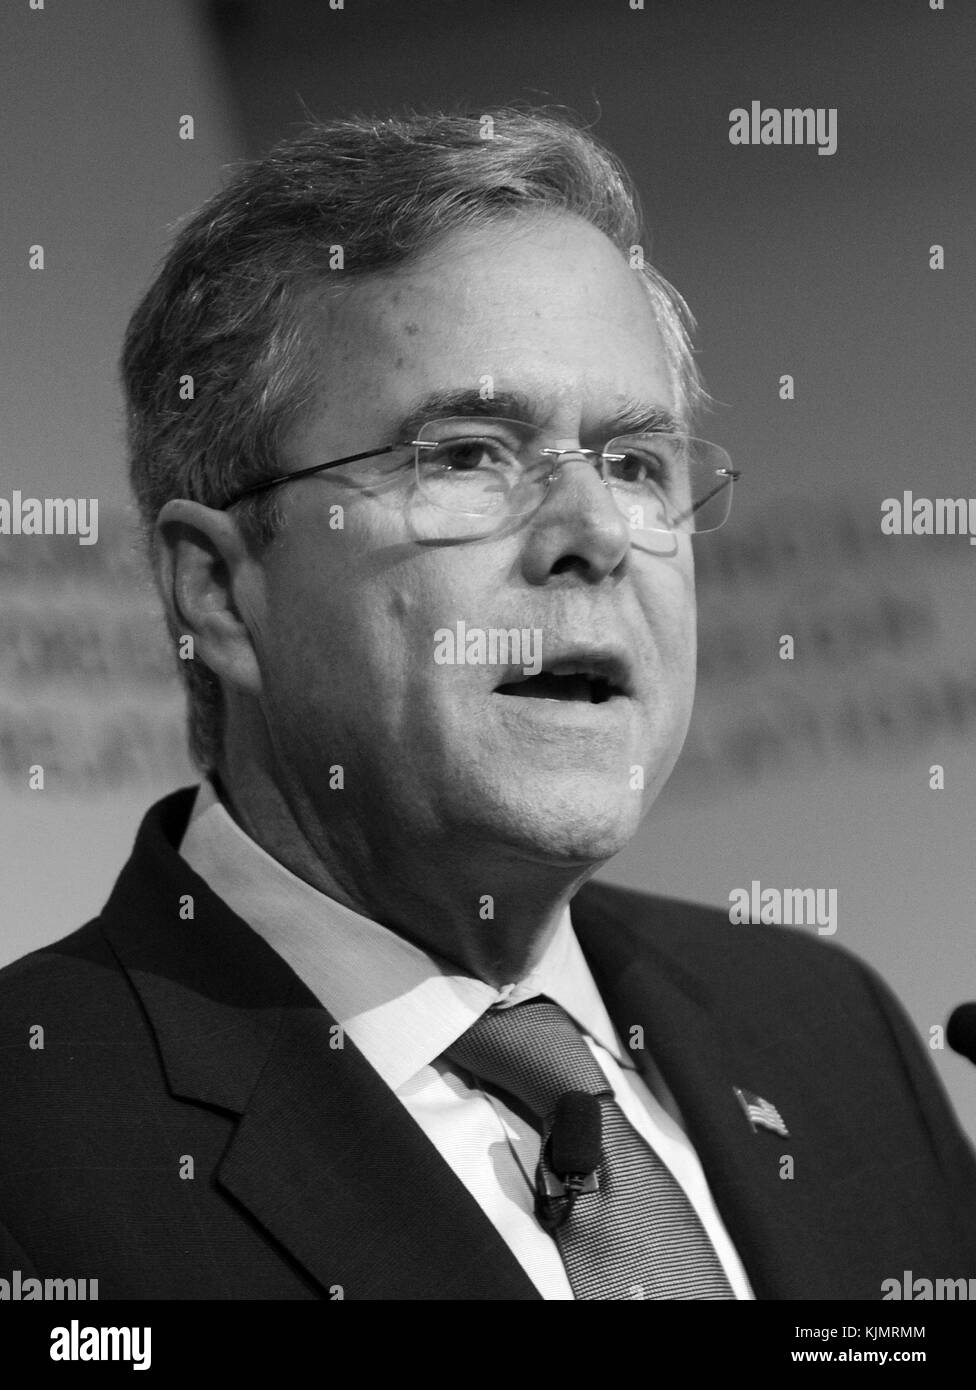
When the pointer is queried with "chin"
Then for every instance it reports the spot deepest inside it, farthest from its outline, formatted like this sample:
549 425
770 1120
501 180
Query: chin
576 827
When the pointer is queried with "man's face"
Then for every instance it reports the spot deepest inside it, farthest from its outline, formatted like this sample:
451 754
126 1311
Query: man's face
433 752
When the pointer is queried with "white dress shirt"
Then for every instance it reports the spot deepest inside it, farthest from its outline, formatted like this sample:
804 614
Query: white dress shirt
403 1008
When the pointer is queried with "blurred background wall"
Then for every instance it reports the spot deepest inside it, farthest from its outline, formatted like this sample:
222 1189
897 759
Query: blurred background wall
813 772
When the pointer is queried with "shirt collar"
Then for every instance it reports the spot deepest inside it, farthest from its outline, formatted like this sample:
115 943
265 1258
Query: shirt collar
401 1006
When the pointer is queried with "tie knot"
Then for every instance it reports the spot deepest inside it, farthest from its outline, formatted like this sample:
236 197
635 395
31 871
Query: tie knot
534 1051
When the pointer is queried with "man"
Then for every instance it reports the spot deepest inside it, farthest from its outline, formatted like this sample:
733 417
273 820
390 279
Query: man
412 438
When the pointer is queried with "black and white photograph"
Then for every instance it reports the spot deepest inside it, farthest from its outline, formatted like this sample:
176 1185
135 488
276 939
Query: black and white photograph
488 665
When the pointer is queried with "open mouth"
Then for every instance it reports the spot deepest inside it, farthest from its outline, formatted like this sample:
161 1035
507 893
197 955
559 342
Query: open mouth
586 687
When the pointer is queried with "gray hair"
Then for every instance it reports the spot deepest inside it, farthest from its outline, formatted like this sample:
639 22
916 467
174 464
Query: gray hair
226 309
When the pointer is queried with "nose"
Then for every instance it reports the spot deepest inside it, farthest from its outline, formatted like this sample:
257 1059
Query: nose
557 455
565 478
579 520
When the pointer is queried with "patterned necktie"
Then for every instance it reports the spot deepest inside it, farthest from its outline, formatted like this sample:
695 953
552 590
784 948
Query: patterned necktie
637 1235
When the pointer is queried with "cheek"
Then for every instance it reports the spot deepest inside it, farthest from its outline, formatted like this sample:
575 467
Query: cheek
668 603
306 639
347 627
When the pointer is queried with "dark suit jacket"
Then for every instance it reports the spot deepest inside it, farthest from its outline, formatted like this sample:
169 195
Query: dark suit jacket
169 1041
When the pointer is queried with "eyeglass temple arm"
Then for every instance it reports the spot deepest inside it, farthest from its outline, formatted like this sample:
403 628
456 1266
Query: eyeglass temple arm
731 475
306 472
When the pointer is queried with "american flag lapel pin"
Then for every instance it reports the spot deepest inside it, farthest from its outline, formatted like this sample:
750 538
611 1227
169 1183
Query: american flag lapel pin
761 1112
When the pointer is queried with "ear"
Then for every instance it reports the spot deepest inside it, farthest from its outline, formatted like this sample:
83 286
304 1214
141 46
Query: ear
212 589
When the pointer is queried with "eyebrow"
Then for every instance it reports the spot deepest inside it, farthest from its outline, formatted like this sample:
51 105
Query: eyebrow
632 417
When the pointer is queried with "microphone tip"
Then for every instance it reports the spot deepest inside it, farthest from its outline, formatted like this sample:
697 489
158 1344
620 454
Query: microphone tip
575 1138
961 1030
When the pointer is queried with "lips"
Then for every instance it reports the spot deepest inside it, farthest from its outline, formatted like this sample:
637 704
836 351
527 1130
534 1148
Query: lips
587 680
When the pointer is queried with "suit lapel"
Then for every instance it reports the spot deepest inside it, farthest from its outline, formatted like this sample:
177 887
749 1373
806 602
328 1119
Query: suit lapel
701 1064
329 1162
703 1050
324 1156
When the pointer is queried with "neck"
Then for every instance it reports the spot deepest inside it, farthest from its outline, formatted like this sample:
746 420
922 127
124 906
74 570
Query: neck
485 908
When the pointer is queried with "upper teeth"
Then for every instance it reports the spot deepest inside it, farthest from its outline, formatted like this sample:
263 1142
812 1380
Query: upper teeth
571 670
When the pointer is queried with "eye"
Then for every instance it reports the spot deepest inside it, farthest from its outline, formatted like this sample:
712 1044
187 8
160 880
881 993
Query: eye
470 453
641 463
